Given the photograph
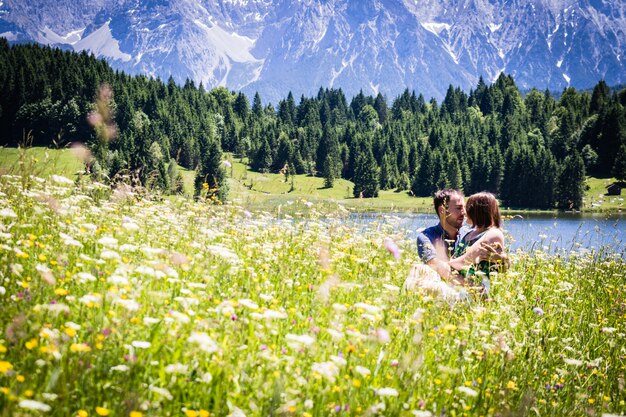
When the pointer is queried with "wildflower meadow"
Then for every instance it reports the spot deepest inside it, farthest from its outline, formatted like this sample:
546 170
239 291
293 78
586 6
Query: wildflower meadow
119 304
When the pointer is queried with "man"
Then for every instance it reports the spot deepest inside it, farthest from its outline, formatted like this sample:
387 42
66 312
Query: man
436 243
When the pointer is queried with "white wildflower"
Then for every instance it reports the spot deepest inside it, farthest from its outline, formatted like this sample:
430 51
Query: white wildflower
72 325
341 362
363 371
49 396
34 405
117 280
467 391
273 314
108 241
130 305
326 369
248 303
61 180
109 254
296 341
179 317
340 308
140 344
163 392
387 392
90 299
204 341
236 413
84 277
120 368
368 308
127 247
176 368
7 212
574 362
336 335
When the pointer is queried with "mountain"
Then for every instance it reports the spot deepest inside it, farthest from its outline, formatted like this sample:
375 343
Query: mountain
277 46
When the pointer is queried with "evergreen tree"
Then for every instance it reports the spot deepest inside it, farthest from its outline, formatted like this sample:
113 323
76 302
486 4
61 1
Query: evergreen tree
571 183
387 175
365 175
619 167
328 172
423 184
211 181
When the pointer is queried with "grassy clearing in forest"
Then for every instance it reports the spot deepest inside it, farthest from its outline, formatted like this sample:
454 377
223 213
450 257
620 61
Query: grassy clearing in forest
118 305
39 161
255 190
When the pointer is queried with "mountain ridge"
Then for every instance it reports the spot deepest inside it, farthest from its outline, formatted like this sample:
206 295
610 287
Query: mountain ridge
386 46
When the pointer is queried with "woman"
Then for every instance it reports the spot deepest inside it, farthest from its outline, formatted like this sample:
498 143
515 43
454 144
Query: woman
483 214
485 237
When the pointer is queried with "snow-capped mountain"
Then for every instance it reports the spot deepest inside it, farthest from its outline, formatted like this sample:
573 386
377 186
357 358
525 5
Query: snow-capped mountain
277 46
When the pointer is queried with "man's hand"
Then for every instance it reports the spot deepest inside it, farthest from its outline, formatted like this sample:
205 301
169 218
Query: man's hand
494 253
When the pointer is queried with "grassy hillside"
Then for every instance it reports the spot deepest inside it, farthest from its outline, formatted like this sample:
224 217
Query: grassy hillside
40 162
256 190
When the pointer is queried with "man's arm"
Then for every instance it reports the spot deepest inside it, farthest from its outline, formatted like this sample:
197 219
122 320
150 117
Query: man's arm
445 271
435 258
481 250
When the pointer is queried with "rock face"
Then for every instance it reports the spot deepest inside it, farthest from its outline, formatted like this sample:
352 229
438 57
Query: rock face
277 46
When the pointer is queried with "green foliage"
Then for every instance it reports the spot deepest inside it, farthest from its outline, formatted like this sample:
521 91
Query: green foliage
491 139
571 183
365 175
619 167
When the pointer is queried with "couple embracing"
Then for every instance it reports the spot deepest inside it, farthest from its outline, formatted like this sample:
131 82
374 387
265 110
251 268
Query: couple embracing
457 257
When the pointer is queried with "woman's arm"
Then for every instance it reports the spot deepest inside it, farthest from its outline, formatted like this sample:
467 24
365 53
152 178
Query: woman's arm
492 237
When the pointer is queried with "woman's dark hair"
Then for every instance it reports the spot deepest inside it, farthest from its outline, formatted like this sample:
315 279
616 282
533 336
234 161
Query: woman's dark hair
482 209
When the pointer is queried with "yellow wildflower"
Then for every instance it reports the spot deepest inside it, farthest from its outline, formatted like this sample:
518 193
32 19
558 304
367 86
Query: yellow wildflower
31 344
135 414
101 411
191 413
80 347
82 413
204 413
3 349
20 378
511 385
70 331
60 292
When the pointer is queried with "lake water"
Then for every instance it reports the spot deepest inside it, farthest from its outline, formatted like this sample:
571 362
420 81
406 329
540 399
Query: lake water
553 233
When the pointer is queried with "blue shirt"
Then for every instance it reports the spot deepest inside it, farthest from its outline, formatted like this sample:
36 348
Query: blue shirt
435 241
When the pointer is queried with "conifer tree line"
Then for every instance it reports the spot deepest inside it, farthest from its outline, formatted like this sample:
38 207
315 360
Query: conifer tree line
532 150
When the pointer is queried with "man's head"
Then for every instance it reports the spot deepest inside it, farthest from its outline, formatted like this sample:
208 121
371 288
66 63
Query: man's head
450 207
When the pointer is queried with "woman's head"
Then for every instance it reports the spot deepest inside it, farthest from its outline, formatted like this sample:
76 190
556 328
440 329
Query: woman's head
482 210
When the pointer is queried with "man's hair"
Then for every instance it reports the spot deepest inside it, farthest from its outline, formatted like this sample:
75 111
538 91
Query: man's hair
442 198
483 211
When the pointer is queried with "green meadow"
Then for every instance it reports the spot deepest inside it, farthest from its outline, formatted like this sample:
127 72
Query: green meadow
269 191
115 303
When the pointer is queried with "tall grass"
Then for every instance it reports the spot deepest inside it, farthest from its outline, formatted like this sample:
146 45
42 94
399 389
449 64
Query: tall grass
121 305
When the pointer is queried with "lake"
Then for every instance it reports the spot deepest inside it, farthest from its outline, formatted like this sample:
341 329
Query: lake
551 232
